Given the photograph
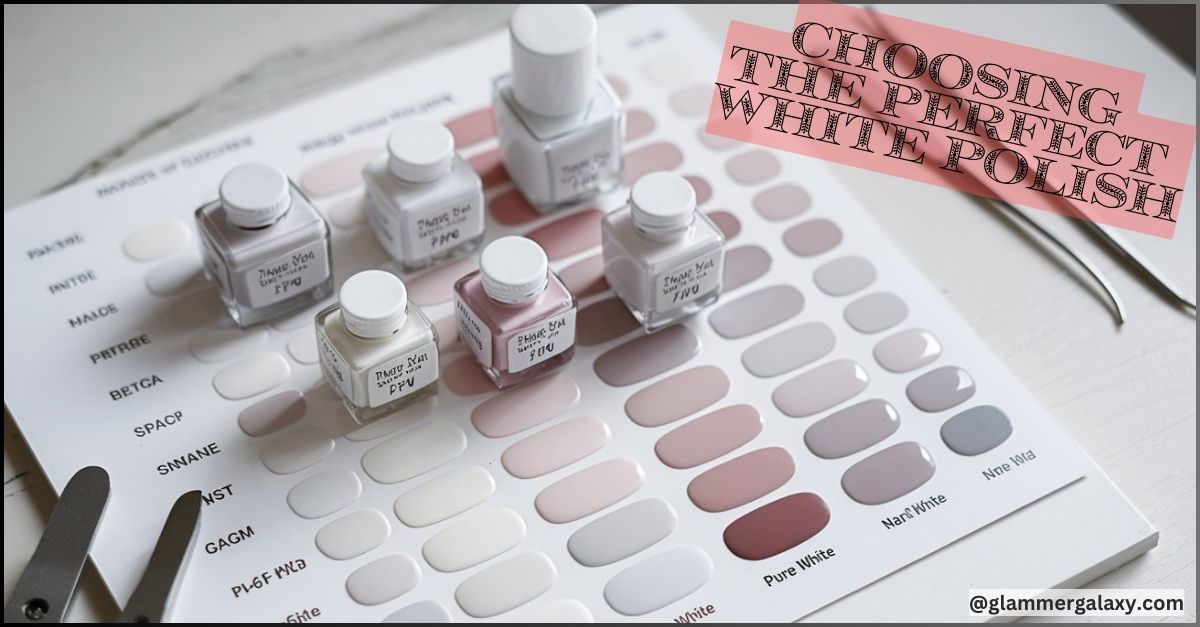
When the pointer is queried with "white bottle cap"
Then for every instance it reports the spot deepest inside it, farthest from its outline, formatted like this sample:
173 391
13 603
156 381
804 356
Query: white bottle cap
420 151
255 195
374 304
553 57
514 269
662 203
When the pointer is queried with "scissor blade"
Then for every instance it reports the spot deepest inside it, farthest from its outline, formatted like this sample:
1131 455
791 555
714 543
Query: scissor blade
151 600
45 588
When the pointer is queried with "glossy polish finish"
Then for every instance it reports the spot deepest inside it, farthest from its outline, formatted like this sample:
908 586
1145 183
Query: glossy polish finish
506 585
788 350
623 532
555 447
658 580
709 436
414 452
821 388
515 315
907 350
442 497
941 389
474 540
264 245
678 395
777 526
976 430
353 534
876 312
843 276
526 406
589 490
888 474
324 493
647 356
742 479
852 429
384 579
756 311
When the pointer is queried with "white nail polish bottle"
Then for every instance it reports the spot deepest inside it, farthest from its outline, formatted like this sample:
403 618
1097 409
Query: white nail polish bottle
377 350
265 245
661 256
426 201
560 123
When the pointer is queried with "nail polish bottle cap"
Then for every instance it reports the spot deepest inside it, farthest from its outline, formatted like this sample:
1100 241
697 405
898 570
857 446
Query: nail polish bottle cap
553 57
374 304
420 152
254 195
662 203
514 269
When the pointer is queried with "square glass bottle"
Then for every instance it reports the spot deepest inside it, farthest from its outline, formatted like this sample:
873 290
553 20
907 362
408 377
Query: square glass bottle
377 350
265 245
426 202
561 125
663 258
514 313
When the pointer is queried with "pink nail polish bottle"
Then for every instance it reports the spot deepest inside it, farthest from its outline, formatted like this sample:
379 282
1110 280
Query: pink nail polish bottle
514 313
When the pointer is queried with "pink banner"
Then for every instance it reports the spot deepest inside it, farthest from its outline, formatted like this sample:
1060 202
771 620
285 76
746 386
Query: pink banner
957 110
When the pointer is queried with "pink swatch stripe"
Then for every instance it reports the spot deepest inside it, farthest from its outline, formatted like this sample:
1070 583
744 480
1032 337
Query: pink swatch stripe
940 106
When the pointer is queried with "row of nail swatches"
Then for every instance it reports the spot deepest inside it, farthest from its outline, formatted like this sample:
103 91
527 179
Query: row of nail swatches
825 422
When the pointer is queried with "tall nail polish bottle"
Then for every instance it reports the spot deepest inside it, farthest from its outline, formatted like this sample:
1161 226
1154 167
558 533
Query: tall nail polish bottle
661 256
426 201
514 313
560 123
265 245
377 350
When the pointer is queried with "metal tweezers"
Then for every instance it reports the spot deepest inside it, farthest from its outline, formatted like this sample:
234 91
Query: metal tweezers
44 591
1107 236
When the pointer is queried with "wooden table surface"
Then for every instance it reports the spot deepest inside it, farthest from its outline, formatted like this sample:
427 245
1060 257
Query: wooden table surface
88 87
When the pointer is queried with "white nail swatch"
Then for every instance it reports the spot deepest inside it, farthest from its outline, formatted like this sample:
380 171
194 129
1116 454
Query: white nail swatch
658 580
295 451
252 375
474 540
445 496
353 534
384 579
217 345
324 493
506 585
414 452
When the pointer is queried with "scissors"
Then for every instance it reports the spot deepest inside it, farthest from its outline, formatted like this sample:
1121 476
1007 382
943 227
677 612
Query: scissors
44 590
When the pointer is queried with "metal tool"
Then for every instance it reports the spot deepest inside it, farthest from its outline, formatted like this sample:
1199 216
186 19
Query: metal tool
44 591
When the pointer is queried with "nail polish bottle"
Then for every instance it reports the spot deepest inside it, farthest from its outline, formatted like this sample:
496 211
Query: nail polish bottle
514 313
661 256
377 350
426 202
560 123
265 245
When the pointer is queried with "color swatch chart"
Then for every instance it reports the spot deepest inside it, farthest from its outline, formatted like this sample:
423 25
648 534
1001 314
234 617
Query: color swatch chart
829 421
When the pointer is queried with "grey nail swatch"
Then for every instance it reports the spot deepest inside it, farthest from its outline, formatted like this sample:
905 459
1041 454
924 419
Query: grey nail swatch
624 532
819 389
844 276
941 389
782 202
976 430
743 265
876 312
853 429
907 350
647 356
421 612
658 580
756 311
888 474
812 237
790 349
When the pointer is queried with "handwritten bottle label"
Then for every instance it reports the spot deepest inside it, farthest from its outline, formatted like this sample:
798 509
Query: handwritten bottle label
687 281
334 363
440 228
541 342
580 165
473 332
403 375
287 275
